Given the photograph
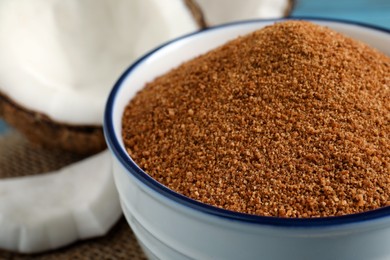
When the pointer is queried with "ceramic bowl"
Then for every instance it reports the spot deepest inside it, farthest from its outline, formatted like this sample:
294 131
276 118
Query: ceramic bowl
171 226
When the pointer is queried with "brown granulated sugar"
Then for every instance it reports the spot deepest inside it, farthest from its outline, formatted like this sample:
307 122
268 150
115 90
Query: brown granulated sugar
292 120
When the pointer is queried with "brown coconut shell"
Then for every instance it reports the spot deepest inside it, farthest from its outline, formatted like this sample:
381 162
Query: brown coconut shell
42 130
290 7
196 13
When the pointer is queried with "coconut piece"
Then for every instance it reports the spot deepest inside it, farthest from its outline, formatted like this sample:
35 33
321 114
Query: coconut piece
234 10
47 211
61 58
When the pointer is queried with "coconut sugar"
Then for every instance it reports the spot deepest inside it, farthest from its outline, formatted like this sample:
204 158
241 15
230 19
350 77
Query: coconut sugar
292 120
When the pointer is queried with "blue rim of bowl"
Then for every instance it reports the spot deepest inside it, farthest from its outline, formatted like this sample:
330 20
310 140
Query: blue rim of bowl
138 173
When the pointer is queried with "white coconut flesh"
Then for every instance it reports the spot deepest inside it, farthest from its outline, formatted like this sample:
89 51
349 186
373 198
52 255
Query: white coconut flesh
61 58
43 212
235 10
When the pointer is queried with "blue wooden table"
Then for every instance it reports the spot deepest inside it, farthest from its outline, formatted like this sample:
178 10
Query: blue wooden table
374 12
3 126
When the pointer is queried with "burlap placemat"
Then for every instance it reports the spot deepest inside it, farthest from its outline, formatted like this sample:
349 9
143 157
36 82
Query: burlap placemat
20 158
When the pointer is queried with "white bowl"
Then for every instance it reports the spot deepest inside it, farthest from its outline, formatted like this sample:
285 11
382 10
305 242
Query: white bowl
171 226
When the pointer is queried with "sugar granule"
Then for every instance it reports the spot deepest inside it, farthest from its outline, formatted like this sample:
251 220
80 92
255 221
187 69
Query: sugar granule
292 120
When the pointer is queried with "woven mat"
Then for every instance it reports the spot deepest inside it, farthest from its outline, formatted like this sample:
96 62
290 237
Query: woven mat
20 158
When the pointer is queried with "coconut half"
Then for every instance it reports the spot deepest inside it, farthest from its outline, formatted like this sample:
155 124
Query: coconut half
234 10
47 211
60 59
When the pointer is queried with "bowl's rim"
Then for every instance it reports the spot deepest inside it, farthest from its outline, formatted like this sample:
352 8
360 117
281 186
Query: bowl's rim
138 173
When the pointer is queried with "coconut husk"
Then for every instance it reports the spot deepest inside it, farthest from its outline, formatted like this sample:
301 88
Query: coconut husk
18 157
290 7
196 12
40 129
